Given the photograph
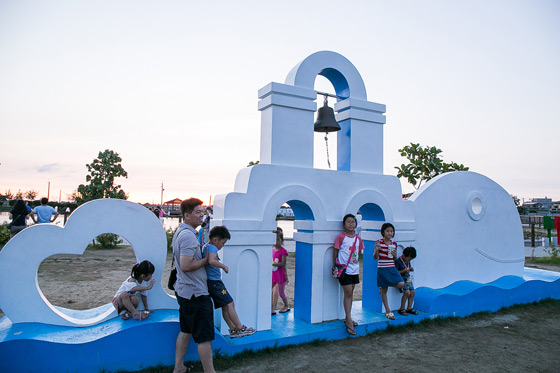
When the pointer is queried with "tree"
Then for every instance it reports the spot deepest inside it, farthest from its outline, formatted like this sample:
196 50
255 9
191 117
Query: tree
520 209
425 163
30 195
251 163
72 197
8 194
103 171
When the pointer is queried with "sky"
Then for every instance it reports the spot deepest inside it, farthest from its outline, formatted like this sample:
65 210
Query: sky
172 87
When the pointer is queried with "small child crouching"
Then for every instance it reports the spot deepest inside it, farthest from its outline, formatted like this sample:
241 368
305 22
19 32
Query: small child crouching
126 298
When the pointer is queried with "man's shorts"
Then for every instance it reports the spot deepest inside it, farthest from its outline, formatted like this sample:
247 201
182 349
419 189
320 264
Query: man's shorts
219 293
349 279
196 317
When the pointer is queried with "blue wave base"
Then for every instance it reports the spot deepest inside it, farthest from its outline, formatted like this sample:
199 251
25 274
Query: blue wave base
118 345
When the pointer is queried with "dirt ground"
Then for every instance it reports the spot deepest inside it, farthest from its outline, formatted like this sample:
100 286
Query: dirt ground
515 340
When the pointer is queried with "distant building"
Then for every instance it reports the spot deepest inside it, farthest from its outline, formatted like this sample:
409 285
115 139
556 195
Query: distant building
172 207
539 206
285 212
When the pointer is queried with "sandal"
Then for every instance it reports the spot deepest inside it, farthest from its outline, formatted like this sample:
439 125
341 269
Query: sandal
402 312
126 316
390 316
142 315
350 331
354 323
412 311
284 310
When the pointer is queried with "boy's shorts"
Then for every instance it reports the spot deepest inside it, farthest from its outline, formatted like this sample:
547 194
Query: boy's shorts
407 286
196 317
219 293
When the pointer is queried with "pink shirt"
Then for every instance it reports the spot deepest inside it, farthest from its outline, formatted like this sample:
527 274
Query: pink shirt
280 274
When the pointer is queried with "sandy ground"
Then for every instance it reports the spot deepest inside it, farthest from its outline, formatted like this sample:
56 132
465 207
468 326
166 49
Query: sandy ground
518 340
66 280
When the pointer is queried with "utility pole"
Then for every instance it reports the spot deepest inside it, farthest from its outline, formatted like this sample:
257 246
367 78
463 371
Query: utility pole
161 203
49 191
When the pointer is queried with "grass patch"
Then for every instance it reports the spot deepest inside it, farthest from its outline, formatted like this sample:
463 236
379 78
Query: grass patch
223 362
553 260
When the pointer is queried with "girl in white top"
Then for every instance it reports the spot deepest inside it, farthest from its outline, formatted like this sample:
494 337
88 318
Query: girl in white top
126 297
347 247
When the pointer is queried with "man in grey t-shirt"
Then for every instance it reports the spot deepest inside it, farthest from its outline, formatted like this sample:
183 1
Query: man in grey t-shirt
196 312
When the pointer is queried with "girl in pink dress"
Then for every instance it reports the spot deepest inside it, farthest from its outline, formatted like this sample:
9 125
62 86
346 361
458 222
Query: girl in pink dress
279 274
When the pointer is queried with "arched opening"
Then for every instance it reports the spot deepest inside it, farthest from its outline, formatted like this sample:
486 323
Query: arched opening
372 217
290 219
324 151
372 212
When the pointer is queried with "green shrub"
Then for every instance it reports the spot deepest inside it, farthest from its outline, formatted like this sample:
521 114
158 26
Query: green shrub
108 240
4 234
169 233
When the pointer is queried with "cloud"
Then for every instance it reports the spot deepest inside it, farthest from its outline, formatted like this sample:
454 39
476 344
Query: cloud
48 167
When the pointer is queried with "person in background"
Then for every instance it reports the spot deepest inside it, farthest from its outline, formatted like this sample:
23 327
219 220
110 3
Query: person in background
359 224
279 273
44 213
161 215
19 214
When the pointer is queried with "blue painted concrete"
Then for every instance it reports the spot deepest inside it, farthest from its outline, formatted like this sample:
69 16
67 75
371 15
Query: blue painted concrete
131 345
302 295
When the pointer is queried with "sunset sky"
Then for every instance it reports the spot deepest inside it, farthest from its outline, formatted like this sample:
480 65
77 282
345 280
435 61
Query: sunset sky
172 86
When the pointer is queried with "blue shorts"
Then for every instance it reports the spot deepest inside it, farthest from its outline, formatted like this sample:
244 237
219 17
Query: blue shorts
388 277
219 293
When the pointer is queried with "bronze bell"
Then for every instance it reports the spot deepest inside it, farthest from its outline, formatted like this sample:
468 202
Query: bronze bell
325 119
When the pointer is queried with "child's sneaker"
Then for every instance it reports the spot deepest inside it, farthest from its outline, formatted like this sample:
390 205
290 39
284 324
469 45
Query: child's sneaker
238 333
234 333
246 330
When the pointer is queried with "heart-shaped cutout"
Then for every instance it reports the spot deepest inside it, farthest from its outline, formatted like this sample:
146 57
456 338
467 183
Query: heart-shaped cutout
66 280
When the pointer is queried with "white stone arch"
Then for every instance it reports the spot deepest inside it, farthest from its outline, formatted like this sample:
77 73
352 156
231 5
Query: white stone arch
343 75
365 197
307 253
288 112
375 209
295 192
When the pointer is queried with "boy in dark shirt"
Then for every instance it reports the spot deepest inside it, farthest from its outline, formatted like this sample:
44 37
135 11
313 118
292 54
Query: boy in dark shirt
405 269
